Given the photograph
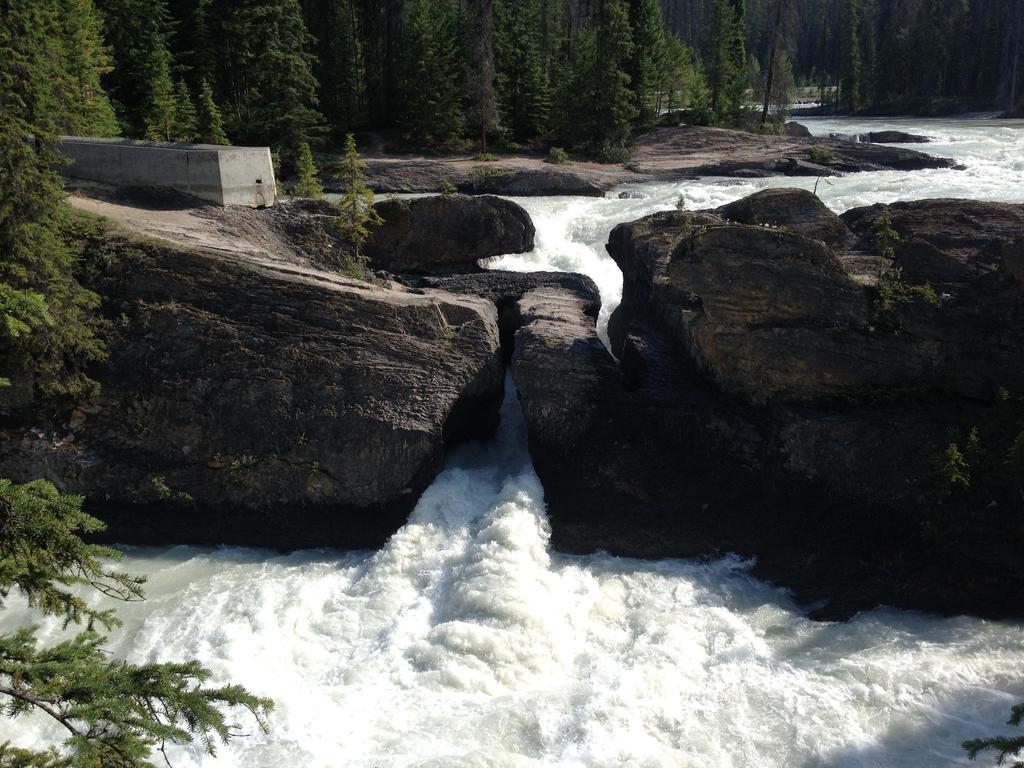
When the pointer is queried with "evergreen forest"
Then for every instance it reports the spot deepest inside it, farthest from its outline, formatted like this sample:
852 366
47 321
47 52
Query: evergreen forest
585 74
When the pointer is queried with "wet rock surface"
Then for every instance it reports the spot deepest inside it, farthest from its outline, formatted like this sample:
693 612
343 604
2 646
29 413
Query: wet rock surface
252 403
446 233
721 152
769 402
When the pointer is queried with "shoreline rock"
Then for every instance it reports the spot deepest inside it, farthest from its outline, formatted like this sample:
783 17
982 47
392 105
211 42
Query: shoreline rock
664 154
766 403
253 403
447 233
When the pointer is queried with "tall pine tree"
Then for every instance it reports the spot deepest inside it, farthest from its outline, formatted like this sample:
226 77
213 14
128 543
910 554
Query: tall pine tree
523 86
433 71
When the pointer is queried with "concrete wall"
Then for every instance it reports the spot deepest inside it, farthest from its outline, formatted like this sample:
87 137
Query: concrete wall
222 175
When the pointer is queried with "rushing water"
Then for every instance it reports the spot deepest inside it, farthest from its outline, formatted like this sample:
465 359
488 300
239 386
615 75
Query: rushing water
572 231
466 642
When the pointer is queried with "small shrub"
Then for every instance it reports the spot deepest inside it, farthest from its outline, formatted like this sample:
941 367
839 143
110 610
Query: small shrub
487 157
616 154
954 472
446 187
820 155
926 293
557 156
307 185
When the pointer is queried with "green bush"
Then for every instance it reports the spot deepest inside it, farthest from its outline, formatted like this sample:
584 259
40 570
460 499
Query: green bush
446 187
557 156
820 155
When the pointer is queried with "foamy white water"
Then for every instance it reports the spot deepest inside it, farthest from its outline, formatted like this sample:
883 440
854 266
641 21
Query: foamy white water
572 231
466 642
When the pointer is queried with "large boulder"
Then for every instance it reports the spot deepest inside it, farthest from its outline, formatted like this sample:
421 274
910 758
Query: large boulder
253 403
447 233
796 210
768 402
882 137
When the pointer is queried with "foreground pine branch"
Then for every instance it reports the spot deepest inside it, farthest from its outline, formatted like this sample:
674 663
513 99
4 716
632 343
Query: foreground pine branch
116 714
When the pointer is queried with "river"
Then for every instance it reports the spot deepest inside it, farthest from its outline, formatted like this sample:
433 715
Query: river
466 641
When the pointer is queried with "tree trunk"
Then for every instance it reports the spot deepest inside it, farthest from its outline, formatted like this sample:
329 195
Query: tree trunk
771 62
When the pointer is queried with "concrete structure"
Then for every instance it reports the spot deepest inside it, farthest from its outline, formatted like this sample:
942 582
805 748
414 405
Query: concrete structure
222 175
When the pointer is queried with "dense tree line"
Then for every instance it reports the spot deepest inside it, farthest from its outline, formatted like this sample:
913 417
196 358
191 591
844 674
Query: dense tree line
294 72
885 55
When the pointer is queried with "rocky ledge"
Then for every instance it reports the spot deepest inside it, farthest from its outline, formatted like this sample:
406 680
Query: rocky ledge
253 396
664 154
774 397
676 152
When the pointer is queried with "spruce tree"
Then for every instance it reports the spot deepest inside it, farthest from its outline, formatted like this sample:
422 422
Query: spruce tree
522 81
162 107
614 105
209 125
433 71
307 184
117 713
851 85
356 214
267 74
481 105
85 108
645 65
1005 747
47 322
185 126
140 84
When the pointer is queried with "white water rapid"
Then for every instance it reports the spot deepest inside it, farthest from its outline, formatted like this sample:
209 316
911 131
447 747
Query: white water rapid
466 642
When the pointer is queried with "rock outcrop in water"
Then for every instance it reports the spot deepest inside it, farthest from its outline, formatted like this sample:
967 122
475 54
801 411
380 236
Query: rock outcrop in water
447 233
664 154
883 137
774 399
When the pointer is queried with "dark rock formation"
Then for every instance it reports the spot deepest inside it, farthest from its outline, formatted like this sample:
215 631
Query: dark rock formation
505 289
719 152
447 233
883 137
795 210
274 405
773 400
525 178
796 129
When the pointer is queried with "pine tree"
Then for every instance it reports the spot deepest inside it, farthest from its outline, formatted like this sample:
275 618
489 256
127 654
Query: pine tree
209 125
117 713
162 106
851 85
267 74
84 106
522 82
140 83
433 71
572 108
341 74
356 214
646 62
723 71
613 102
481 105
677 80
307 184
736 86
47 325
185 125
